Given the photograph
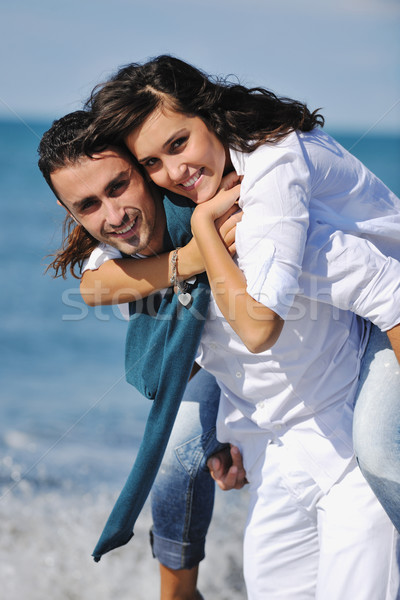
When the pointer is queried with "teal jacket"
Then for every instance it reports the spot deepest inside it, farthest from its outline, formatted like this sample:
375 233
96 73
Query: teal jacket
160 349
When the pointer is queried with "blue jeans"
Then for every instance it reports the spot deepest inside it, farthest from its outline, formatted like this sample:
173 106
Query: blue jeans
376 425
183 493
182 497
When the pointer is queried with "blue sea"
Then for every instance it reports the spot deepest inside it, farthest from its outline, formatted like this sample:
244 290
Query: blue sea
70 425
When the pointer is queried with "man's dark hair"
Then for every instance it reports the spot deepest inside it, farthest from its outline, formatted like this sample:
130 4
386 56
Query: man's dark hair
62 145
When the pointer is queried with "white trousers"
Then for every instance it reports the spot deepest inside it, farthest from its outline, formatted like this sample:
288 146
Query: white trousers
303 544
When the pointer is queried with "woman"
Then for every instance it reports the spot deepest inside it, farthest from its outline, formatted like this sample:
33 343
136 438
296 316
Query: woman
159 88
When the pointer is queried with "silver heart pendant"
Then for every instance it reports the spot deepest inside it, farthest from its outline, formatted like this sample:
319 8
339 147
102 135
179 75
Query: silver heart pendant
185 298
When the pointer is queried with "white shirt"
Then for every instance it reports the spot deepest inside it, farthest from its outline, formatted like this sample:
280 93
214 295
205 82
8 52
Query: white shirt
308 179
304 385
301 391
102 254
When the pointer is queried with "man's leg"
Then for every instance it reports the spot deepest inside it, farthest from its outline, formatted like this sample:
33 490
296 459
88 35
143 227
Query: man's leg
358 543
179 584
183 493
376 429
302 544
281 545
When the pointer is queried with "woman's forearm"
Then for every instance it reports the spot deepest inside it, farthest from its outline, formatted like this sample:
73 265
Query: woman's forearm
258 326
128 279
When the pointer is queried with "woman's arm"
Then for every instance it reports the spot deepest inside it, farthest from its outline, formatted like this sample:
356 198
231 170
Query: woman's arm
270 240
124 280
258 326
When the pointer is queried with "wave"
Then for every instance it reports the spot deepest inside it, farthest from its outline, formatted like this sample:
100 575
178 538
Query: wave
46 541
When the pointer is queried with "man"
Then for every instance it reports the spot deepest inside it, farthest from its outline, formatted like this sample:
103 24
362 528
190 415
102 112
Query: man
111 203
107 207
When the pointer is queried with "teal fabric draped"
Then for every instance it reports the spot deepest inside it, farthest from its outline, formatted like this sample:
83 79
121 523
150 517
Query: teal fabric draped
161 345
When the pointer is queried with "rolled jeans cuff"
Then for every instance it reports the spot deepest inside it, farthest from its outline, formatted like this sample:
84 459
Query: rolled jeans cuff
177 555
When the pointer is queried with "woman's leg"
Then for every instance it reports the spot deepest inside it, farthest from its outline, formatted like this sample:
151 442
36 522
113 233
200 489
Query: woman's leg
183 493
376 429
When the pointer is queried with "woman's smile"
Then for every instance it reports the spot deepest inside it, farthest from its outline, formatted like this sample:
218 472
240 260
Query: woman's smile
180 153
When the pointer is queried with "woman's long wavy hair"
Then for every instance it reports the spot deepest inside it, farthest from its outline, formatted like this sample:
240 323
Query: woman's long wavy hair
61 145
242 118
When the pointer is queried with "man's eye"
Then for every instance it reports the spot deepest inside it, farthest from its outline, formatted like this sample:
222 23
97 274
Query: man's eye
119 187
87 205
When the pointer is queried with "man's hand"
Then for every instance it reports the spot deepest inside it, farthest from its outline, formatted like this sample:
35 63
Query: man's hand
226 468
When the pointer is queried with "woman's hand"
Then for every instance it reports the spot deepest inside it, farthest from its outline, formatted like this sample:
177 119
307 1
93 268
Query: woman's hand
190 254
230 180
216 207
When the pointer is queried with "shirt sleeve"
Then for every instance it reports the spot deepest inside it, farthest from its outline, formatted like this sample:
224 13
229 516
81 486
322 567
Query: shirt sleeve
270 239
350 273
99 256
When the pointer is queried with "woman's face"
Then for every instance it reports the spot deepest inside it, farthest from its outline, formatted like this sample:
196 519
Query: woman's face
179 153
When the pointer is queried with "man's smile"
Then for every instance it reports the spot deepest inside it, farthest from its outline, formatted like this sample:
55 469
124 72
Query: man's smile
127 231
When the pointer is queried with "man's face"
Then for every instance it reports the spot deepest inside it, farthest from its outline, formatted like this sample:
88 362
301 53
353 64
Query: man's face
110 199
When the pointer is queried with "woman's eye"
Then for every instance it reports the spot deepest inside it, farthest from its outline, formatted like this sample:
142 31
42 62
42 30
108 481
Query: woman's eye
178 143
150 162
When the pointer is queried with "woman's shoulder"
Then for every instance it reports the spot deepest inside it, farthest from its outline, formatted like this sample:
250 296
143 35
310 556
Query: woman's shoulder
266 156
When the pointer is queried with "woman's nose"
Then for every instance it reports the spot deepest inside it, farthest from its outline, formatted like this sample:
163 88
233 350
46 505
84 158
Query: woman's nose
177 170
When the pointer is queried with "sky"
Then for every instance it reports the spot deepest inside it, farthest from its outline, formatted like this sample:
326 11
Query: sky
342 56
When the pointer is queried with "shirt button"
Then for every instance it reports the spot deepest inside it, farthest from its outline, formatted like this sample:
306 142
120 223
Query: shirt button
261 405
238 374
213 345
278 427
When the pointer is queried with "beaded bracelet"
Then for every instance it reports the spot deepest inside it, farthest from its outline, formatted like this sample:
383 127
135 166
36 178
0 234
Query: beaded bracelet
179 286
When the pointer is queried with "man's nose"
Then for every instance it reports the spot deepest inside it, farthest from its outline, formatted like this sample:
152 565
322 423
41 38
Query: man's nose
114 213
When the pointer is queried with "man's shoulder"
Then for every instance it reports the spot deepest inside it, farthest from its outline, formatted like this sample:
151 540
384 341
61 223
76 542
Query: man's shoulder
101 254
